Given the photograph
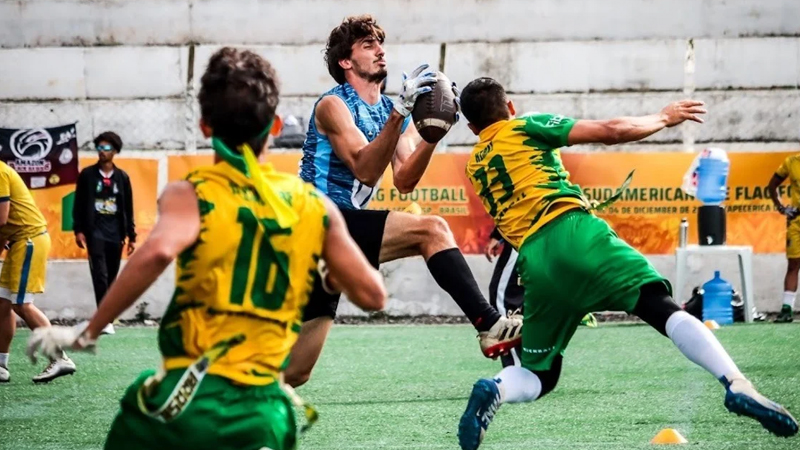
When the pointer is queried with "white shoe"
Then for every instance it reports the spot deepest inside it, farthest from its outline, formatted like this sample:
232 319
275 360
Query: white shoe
5 376
57 368
502 337
108 329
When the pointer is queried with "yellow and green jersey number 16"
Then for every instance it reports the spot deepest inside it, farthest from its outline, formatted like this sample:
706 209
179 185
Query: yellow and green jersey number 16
271 280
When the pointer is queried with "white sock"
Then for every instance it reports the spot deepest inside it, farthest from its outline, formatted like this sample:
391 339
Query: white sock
697 343
788 298
4 360
518 385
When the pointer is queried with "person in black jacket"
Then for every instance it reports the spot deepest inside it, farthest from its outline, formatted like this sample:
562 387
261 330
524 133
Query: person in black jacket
103 215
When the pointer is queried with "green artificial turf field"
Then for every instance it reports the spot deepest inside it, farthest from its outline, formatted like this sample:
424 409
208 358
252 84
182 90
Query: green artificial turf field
404 387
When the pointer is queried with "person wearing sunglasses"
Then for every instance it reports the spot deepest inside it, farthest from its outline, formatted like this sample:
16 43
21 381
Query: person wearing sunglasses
103 215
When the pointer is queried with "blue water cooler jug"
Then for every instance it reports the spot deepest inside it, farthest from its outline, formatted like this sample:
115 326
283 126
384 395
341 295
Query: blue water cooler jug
712 186
712 180
717 298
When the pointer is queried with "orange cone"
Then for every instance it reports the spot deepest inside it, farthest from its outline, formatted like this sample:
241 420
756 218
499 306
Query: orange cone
669 436
711 324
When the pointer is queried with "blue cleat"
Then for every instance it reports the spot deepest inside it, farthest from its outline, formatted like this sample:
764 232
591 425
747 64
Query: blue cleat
742 399
481 408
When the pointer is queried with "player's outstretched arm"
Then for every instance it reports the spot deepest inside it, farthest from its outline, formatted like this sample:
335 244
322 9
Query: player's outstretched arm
349 270
367 160
629 129
177 228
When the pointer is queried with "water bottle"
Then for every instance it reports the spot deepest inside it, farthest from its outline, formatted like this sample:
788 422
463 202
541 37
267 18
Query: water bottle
683 235
712 179
712 182
717 298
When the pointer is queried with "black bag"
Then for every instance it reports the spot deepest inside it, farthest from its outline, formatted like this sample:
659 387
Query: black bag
695 304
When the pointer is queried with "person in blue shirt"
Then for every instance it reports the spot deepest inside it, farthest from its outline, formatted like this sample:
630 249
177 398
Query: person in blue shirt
354 134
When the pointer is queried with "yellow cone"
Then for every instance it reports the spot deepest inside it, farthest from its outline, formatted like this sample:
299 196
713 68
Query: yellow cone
669 436
413 208
711 324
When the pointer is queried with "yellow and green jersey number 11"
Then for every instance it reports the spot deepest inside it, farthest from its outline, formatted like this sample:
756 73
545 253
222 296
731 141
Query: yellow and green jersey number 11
500 177
271 280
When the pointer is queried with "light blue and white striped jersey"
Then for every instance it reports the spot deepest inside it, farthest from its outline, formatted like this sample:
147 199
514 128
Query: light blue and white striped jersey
324 169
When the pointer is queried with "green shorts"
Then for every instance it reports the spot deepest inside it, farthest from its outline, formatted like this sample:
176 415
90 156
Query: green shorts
221 415
572 266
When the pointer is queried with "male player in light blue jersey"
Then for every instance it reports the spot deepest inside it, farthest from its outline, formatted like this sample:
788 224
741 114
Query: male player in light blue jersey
354 134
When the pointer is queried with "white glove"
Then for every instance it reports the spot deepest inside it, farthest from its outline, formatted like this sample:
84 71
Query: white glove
419 83
52 340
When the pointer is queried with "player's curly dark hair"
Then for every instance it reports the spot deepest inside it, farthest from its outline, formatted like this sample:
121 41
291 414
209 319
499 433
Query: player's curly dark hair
484 102
110 137
341 40
238 97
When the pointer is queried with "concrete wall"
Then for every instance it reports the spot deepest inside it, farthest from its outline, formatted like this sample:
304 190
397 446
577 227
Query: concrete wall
43 23
125 64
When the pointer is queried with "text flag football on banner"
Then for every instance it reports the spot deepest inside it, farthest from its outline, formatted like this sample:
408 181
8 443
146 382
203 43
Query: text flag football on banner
43 157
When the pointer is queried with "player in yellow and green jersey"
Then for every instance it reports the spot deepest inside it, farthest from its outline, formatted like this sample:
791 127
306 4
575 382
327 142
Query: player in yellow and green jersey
248 241
23 231
570 261
789 169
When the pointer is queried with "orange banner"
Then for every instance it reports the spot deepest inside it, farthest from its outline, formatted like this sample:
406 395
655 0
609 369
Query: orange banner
649 213
647 216
56 205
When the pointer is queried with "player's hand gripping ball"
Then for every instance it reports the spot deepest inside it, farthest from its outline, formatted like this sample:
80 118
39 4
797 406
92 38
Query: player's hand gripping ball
420 82
435 112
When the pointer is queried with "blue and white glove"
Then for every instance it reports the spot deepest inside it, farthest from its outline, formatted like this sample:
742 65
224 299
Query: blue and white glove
420 82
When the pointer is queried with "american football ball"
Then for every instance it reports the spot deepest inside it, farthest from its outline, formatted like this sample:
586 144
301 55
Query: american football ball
435 112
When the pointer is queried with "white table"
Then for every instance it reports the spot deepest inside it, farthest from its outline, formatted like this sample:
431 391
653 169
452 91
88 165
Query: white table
745 254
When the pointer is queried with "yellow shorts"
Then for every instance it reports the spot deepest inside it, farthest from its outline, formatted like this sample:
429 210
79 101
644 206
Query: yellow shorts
793 239
24 269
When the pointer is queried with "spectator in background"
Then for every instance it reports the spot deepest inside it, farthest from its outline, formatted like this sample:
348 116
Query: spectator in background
103 215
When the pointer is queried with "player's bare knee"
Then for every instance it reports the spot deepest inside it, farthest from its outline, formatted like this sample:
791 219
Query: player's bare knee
437 234
20 310
793 266
24 313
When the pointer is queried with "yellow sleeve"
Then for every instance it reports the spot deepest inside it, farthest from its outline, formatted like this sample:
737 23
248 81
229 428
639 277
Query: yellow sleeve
783 170
5 185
